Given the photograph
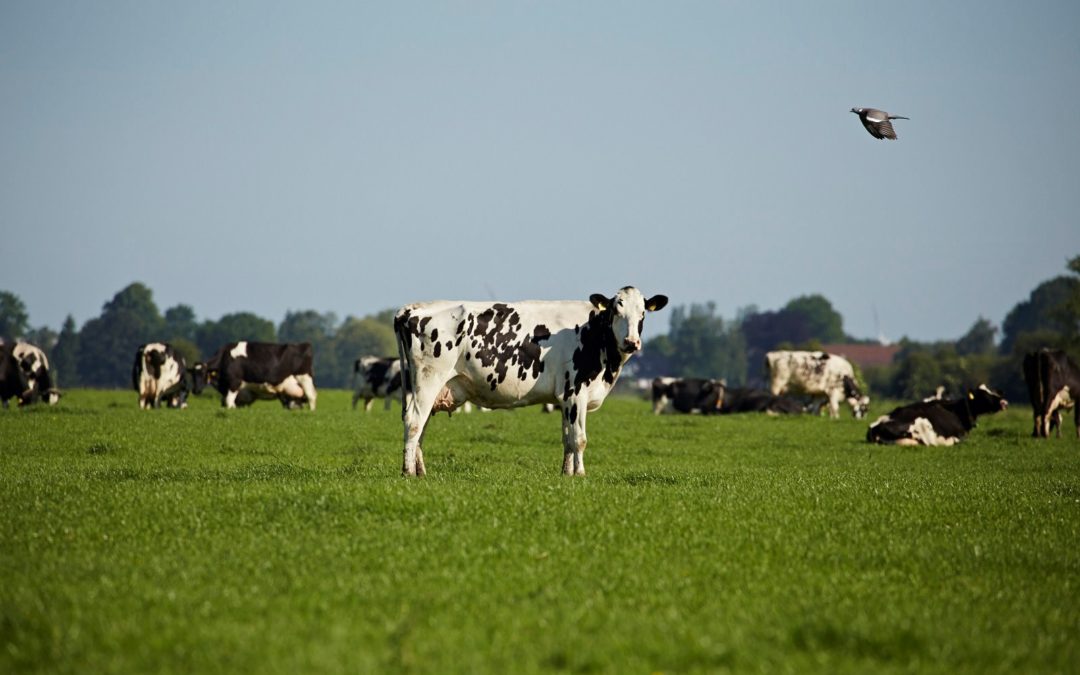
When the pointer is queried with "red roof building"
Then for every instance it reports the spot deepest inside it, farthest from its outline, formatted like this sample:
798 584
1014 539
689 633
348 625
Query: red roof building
864 356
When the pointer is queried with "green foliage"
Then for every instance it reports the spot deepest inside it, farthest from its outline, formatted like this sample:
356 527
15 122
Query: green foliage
1041 311
108 343
233 328
180 323
65 356
823 323
362 337
178 541
14 319
978 340
699 343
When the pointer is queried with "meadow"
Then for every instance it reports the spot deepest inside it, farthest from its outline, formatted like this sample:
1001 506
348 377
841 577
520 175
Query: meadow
267 541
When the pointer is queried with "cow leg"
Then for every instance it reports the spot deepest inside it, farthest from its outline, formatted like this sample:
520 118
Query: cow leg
387 402
415 414
834 404
307 384
355 399
230 398
574 437
367 403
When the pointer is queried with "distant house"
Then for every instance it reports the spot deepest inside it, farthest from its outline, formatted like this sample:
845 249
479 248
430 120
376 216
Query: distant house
864 355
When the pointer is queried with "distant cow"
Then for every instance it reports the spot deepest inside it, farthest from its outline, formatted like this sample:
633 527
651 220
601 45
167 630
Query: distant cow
749 399
160 373
937 422
376 377
687 395
35 368
264 369
13 382
1053 381
816 374
508 355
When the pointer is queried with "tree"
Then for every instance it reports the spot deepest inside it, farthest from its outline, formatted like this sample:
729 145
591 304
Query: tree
180 323
699 343
1042 311
65 355
14 320
232 328
978 340
108 343
356 338
820 320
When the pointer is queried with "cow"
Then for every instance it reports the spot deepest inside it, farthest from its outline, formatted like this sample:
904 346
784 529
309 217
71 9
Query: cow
1053 382
816 374
263 369
513 354
375 377
938 422
749 399
160 373
13 382
35 367
687 395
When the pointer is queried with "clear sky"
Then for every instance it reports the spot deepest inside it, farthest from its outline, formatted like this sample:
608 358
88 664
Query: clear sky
349 157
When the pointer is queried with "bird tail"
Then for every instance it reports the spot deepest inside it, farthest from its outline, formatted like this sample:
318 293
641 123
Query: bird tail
898 117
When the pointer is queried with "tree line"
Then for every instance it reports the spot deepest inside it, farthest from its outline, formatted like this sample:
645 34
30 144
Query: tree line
699 342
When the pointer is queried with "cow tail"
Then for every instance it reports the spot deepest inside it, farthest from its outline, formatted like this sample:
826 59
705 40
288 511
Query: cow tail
403 335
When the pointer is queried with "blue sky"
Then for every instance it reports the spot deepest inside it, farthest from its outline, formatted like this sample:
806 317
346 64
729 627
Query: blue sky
350 157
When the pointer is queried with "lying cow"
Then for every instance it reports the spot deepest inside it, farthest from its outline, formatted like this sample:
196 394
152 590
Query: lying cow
375 377
937 422
816 374
749 399
687 395
35 368
264 370
508 355
160 373
1053 382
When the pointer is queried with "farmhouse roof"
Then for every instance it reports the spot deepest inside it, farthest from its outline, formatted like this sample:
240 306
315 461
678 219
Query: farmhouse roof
864 355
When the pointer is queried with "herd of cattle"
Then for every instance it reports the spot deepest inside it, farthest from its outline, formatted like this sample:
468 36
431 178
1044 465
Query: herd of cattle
563 355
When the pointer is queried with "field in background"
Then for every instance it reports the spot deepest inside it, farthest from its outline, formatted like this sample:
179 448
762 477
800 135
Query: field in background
267 541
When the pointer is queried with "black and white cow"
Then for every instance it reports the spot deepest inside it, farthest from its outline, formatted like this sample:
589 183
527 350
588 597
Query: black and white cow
937 422
35 367
13 382
749 399
1053 382
262 370
160 373
687 395
376 377
513 354
816 374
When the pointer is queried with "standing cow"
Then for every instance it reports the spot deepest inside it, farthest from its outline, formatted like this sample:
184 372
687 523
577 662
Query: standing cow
35 368
13 382
507 355
160 373
244 371
1053 382
816 374
375 377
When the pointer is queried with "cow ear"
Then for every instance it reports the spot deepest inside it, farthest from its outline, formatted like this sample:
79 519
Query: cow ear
599 301
971 394
656 302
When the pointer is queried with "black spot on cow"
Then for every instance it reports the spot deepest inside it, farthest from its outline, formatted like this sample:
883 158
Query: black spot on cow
572 416
437 350
597 353
434 334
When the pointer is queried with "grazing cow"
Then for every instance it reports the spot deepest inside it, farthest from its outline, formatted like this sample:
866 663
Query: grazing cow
1053 381
375 377
937 422
749 399
265 369
160 373
508 355
687 395
35 366
13 382
816 374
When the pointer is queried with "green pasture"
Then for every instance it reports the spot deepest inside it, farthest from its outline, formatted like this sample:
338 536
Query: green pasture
267 541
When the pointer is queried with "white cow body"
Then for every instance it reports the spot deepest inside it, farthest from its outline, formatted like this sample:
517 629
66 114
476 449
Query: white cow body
816 374
159 373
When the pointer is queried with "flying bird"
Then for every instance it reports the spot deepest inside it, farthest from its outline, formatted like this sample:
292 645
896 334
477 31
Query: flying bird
877 122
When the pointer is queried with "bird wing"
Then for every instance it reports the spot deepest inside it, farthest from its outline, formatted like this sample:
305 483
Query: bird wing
879 128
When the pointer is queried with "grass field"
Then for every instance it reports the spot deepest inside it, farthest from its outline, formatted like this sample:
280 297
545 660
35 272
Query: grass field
267 541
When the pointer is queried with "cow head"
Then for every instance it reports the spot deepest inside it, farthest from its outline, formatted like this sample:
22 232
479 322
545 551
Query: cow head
984 400
627 313
859 402
202 376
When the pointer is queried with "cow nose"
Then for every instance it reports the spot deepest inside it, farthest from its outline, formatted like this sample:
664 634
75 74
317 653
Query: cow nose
631 345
